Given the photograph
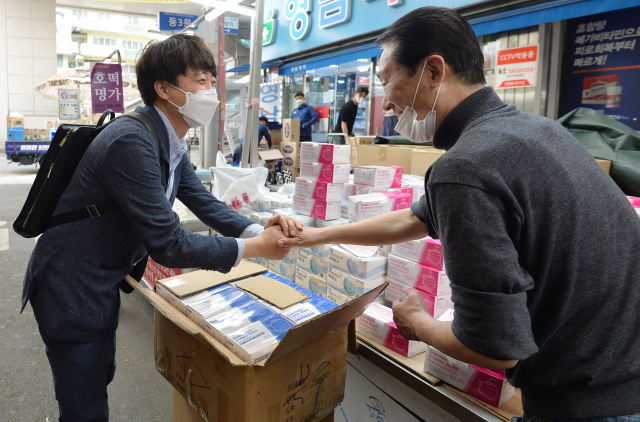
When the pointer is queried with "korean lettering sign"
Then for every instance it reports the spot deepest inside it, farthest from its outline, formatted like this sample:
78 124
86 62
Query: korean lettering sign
68 104
271 101
601 66
517 67
168 21
106 88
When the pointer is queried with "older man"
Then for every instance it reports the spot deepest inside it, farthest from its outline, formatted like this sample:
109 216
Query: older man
541 247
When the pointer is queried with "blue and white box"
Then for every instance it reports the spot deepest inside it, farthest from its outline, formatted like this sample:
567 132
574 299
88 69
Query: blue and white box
337 297
227 299
182 304
321 251
370 268
262 261
306 220
255 342
307 310
313 264
328 223
287 271
225 323
311 282
350 285
292 257
261 217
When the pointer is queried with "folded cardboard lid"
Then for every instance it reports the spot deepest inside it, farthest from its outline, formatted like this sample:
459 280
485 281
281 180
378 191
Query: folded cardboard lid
197 281
270 154
273 291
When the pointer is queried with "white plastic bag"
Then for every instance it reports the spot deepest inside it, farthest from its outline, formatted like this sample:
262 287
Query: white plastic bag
237 186
221 161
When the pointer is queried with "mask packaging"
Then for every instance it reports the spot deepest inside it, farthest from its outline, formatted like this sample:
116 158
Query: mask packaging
261 217
255 342
306 220
307 310
376 323
350 285
378 176
316 208
281 202
325 153
350 189
427 252
219 326
227 299
362 207
262 261
415 192
312 264
183 304
287 271
311 282
323 191
337 297
384 250
437 305
292 257
321 251
344 209
364 268
418 276
332 173
319 223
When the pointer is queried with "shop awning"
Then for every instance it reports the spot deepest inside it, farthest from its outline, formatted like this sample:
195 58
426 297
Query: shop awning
245 67
550 11
365 51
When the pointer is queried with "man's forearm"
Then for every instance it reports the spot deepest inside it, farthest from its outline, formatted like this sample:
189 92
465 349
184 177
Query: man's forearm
385 229
438 334
345 128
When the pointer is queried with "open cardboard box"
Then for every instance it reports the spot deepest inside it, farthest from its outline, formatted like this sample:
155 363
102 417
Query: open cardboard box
307 385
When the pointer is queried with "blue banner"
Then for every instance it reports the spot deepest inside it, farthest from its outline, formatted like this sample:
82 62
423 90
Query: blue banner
168 21
601 66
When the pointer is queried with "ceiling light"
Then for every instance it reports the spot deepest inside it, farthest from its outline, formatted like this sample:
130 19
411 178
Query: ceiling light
363 60
333 65
363 69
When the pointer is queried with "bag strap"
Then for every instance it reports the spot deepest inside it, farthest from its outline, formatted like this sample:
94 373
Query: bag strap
100 208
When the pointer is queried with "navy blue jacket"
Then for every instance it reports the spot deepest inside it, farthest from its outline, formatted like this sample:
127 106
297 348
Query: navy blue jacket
74 271
264 131
308 116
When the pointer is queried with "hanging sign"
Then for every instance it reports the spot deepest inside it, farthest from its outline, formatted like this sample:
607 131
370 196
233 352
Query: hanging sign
231 25
68 104
517 67
106 88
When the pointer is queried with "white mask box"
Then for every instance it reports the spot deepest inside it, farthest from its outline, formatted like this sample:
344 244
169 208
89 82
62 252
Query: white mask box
330 223
350 189
337 297
316 189
306 220
313 264
427 279
378 176
311 282
437 305
227 299
427 252
224 323
332 173
255 342
325 153
363 268
287 271
350 285
362 207
316 208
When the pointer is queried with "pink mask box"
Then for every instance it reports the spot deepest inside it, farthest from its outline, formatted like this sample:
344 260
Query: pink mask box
332 173
420 277
437 305
490 386
316 189
349 190
325 153
427 252
362 207
378 176
376 323
635 202
316 208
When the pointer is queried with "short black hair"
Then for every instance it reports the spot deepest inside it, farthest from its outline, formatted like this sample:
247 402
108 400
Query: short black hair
436 30
263 119
165 60
300 94
362 90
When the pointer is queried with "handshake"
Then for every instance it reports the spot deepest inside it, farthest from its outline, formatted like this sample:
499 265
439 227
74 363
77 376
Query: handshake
273 243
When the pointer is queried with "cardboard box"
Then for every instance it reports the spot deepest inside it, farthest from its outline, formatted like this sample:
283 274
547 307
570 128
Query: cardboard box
425 251
311 282
362 268
286 270
291 153
429 280
316 189
43 133
28 133
422 159
362 207
291 130
273 159
17 121
325 153
350 285
332 173
380 176
605 164
437 305
321 251
490 386
276 137
313 264
316 208
376 323
221 386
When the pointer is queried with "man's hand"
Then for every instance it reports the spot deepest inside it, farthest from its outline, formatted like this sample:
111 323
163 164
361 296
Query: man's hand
310 237
290 226
265 245
411 315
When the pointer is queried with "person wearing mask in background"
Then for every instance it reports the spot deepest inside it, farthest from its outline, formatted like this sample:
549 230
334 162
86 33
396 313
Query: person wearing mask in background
75 270
542 249
307 115
263 130
348 113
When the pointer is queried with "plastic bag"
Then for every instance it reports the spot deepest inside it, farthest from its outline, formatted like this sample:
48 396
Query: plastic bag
221 161
237 186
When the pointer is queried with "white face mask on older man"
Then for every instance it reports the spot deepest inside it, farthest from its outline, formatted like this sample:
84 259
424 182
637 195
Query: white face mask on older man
418 131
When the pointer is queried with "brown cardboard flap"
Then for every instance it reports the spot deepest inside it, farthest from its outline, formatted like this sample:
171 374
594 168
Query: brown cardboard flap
197 281
269 154
182 321
273 291
322 324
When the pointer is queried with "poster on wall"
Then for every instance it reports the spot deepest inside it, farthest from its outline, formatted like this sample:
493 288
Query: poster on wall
68 104
601 66
271 101
516 67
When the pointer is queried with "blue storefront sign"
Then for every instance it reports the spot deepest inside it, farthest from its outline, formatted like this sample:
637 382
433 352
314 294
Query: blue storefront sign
168 21
601 65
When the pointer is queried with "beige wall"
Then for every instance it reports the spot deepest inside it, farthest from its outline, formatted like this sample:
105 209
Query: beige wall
27 57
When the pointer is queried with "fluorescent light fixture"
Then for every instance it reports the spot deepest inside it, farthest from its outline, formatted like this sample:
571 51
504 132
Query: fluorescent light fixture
333 65
363 60
362 68
157 35
219 7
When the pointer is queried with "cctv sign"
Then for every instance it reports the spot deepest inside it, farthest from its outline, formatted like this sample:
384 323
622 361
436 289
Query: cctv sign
517 67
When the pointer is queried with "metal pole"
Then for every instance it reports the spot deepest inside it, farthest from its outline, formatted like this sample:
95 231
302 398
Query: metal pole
209 142
250 149
369 110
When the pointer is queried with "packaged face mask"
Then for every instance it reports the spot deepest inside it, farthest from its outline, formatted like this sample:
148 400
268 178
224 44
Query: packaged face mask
362 207
315 189
362 268
316 208
378 176
286 270
350 285
255 342
312 264
321 251
227 299
307 310
311 282
306 220
225 323
325 153
332 173
437 305
427 252
350 189
262 261
182 304
292 257
261 217
418 276
337 297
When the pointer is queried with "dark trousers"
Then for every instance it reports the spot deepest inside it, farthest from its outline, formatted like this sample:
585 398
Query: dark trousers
81 373
305 138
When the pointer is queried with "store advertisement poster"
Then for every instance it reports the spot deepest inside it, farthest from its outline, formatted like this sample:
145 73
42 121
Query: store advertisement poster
106 88
271 101
68 104
601 66
516 67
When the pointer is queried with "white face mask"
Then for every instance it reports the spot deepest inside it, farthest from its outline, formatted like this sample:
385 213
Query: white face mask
418 131
199 108
359 100
299 102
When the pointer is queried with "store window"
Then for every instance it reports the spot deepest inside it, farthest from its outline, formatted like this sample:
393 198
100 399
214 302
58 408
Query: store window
129 71
104 41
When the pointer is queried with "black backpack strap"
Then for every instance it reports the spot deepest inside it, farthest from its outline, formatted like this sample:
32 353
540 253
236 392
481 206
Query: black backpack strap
108 205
